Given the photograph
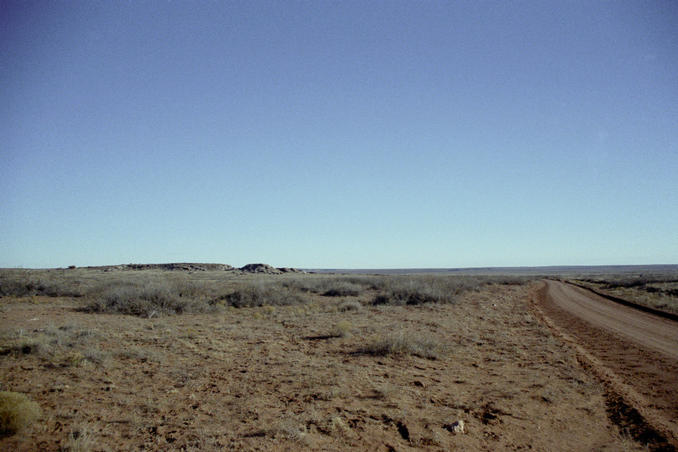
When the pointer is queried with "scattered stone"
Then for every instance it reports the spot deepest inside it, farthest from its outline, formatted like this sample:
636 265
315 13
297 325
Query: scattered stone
456 427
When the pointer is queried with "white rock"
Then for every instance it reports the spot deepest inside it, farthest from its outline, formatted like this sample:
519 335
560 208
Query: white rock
456 427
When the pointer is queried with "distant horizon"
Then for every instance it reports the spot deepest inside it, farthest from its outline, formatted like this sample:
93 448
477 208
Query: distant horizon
355 269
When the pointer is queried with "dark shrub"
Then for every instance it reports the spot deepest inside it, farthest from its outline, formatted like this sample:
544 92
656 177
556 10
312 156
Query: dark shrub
253 296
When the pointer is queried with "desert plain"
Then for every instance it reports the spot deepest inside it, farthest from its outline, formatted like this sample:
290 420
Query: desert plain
195 357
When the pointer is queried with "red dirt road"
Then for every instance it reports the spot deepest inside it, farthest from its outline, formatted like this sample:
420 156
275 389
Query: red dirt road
634 353
644 329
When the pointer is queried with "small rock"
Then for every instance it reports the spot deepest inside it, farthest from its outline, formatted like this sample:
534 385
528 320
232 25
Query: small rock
456 427
403 430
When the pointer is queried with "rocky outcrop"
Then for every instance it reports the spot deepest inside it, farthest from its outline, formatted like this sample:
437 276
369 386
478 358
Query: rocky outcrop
290 270
260 268
268 269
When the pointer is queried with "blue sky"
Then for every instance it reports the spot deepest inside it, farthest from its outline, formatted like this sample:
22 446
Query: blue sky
339 134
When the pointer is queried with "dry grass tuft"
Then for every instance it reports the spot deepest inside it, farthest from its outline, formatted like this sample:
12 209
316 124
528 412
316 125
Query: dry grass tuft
80 440
350 305
403 344
17 412
342 329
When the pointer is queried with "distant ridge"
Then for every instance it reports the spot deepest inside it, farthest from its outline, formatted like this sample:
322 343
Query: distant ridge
191 266
174 266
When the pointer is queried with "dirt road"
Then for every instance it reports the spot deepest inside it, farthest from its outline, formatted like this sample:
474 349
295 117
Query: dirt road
634 353
639 327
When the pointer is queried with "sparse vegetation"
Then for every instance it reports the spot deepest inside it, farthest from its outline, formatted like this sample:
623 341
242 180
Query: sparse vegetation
152 292
146 301
658 291
336 370
333 286
342 329
420 290
24 283
17 412
65 346
344 289
403 344
79 440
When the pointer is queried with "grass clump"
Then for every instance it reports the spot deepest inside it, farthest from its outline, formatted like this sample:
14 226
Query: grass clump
403 344
80 440
17 412
350 305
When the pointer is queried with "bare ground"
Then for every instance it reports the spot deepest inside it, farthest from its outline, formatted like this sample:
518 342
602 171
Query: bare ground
276 378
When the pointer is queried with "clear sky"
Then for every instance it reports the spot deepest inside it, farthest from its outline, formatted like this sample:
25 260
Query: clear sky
339 133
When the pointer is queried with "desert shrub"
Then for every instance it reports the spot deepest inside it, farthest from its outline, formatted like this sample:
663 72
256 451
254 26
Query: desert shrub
18 342
24 347
415 290
17 411
16 288
420 289
341 292
44 342
156 298
403 344
331 286
259 295
394 289
31 347
342 289
350 305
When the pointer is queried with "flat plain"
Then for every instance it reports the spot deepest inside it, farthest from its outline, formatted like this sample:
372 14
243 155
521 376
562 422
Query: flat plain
203 359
